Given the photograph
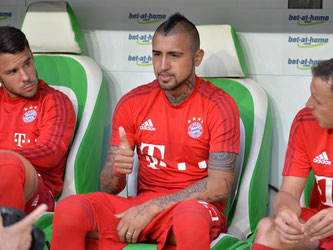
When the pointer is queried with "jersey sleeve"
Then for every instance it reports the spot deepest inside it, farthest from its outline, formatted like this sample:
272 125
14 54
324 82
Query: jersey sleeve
56 128
122 116
296 158
224 125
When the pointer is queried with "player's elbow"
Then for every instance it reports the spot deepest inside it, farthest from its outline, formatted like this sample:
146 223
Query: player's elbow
222 188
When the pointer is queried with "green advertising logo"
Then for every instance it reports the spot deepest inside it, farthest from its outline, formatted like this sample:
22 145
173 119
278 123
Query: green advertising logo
147 18
141 60
5 15
308 20
145 39
302 64
309 41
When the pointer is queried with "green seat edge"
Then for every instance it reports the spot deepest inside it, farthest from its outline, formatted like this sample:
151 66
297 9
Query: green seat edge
142 246
226 242
90 164
308 188
44 223
260 178
52 77
228 85
229 242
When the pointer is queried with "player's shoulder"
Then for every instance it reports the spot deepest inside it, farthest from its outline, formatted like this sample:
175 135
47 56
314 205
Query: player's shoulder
213 93
141 91
46 89
304 116
210 89
305 120
48 92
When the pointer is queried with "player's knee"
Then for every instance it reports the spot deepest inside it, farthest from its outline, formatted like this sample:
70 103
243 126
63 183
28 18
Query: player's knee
191 212
265 226
74 210
12 168
75 203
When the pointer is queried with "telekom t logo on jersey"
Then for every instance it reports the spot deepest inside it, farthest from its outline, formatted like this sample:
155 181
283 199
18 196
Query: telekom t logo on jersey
153 149
150 155
19 138
325 186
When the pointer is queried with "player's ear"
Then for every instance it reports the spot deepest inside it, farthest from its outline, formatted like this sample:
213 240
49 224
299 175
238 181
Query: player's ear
199 54
32 55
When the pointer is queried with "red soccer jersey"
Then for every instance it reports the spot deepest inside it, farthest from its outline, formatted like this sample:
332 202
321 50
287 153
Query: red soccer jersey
311 147
174 142
40 129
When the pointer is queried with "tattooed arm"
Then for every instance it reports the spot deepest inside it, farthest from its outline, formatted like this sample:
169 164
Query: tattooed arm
214 188
110 182
119 160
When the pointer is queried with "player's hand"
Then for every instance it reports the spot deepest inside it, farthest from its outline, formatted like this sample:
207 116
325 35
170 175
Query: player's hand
134 220
18 235
320 225
124 157
290 229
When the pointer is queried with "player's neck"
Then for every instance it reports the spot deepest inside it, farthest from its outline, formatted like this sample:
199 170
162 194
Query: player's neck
176 97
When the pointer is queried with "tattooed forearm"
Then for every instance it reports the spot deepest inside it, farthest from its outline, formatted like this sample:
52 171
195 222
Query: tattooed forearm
192 192
175 100
214 188
222 161
110 182
198 191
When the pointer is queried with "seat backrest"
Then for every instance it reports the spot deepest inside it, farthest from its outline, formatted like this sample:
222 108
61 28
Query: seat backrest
224 65
57 42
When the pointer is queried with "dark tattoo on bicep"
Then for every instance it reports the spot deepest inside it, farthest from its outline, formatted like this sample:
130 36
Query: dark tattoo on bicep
111 183
222 161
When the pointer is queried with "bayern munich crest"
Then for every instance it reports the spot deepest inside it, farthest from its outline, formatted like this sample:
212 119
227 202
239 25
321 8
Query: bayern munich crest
195 127
30 114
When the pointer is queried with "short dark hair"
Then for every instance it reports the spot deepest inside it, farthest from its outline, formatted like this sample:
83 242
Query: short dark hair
12 40
324 70
188 26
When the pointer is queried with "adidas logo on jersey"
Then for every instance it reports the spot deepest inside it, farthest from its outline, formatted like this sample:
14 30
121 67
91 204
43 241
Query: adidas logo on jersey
322 159
147 125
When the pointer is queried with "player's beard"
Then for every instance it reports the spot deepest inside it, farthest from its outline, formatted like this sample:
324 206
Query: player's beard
175 84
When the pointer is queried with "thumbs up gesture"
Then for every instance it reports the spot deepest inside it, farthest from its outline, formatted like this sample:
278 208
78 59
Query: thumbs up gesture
124 157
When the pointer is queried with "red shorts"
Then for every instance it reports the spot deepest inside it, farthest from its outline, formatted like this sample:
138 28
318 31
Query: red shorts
326 243
42 195
156 231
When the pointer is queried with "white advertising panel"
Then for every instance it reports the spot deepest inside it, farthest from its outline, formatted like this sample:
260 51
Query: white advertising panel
12 14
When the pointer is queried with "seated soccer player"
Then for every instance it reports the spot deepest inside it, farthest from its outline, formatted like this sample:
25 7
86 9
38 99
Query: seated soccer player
36 127
310 147
186 132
